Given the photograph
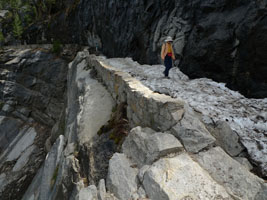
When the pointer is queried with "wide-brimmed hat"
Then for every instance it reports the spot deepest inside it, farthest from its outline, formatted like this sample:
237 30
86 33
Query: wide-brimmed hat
168 39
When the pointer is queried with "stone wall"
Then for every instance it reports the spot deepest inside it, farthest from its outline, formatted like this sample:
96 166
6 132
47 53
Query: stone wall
150 109
145 107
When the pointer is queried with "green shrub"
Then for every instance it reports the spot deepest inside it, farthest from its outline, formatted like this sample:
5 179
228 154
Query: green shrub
54 177
17 27
2 38
57 47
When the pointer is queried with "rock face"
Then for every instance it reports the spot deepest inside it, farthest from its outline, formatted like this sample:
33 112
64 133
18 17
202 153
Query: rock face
32 86
222 40
70 162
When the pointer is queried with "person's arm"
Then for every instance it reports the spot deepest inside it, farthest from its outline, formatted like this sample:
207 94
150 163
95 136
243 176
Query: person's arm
173 54
162 52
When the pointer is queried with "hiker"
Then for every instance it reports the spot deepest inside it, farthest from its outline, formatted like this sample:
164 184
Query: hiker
167 55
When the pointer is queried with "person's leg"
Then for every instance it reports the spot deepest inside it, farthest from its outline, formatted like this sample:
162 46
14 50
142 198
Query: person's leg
165 64
168 65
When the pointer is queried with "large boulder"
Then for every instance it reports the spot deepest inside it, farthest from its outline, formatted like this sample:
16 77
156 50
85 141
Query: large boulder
88 193
122 178
143 145
181 178
192 132
227 138
232 175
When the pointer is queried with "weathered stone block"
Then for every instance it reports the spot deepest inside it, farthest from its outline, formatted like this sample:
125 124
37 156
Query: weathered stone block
144 146
232 175
192 133
181 178
121 179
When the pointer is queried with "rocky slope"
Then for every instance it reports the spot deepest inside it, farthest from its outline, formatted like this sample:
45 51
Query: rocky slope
223 40
32 94
110 137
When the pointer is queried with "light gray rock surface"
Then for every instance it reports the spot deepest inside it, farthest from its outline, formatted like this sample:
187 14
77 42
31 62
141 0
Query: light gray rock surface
88 193
122 178
143 145
23 143
23 159
51 168
181 178
9 129
94 102
232 175
101 190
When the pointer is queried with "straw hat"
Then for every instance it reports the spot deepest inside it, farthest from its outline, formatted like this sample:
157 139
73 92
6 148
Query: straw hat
168 39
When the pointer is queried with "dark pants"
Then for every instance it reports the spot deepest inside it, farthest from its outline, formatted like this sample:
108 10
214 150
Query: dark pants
168 65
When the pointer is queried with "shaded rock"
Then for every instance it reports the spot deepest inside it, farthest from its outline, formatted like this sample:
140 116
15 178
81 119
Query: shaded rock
192 133
143 146
180 178
3 181
142 172
7 108
17 114
227 138
9 129
243 161
237 180
121 179
24 111
33 191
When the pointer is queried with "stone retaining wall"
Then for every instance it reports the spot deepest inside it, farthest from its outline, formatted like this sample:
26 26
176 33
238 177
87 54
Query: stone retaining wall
145 107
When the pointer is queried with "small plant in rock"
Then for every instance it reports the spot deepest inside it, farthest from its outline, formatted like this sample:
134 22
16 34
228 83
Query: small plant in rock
117 126
57 47
2 38
54 177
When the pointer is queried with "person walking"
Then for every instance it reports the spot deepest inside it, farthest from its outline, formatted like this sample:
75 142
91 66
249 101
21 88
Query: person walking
167 54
